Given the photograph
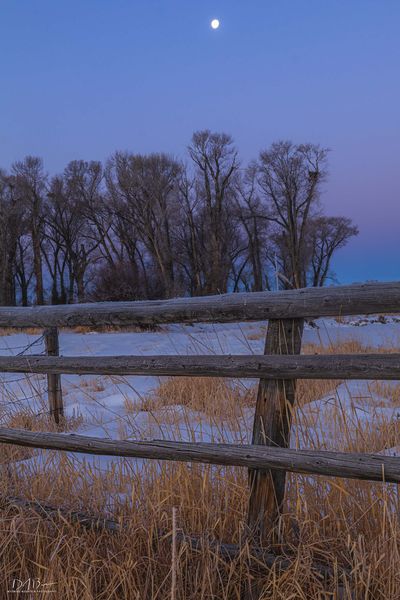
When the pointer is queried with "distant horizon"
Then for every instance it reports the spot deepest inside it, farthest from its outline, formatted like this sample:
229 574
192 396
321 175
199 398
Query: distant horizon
84 80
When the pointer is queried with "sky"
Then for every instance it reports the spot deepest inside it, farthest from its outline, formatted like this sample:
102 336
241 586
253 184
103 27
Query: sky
83 78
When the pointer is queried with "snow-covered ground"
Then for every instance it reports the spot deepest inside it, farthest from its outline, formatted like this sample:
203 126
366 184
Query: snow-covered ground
102 401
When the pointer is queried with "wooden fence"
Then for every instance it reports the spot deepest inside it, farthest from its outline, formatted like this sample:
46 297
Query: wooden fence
268 457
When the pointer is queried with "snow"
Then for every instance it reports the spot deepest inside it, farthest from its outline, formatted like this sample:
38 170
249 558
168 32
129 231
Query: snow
101 402
353 403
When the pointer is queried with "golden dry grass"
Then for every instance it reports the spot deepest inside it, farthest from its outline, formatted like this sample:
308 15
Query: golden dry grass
83 329
341 523
5 331
209 395
113 328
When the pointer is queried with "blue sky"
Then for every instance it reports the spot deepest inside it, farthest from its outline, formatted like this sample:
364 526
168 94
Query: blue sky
82 79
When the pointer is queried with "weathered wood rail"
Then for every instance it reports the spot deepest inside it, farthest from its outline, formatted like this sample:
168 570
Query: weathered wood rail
316 366
268 458
368 298
373 467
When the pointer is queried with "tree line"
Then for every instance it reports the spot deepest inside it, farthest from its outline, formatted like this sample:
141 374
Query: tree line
151 226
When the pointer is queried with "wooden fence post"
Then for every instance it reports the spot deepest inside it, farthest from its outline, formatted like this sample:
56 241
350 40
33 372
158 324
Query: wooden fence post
271 427
54 390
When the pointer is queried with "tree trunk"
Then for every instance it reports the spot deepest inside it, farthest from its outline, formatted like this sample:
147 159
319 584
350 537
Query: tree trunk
24 293
80 284
37 265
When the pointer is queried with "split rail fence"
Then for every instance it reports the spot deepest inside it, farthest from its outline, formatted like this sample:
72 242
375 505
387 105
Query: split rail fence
268 458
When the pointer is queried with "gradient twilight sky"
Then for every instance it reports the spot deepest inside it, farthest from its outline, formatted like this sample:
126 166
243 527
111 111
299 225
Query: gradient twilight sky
82 78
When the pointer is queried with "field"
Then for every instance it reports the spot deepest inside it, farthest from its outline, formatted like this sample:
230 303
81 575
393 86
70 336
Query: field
341 537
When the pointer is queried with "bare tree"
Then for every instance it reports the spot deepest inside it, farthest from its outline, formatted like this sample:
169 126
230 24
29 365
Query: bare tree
290 178
216 163
11 229
326 235
71 236
253 217
147 192
62 228
24 267
189 249
30 188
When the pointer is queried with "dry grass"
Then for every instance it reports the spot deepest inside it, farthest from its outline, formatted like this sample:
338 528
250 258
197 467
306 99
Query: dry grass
114 329
388 390
341 523
335 522
5 331
257 335
210 395
346 346
83 329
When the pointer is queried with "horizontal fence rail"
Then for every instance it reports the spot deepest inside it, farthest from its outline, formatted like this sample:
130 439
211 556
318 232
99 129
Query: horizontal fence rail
316 366
371 467
368 298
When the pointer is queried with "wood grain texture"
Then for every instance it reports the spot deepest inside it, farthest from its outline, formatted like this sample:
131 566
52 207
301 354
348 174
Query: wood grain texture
317 366
54 389
333 464
275 400
367 298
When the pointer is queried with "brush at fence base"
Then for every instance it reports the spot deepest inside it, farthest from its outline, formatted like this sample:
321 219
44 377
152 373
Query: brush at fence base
258 558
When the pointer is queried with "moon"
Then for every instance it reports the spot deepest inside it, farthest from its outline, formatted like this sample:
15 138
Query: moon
215 24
